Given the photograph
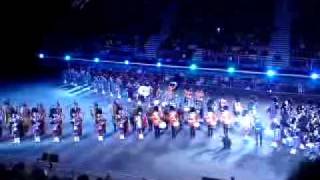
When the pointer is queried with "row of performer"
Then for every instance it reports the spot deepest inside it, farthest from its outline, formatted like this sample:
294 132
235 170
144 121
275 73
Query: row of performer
21 120
298 129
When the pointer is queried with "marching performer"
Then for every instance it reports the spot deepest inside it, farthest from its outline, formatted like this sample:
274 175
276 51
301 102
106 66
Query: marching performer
76 121
252 105
285 119
258 129
246 123
42 113
101 126
95 112
156 120
273 108
122 123
77 127
36 124
139 124
275 126
193 122
116 108
237 109
8 111
174 121
16 124
75 110
211 120
170 95
226 120
56 121
25 114
222 103
188 97
2 116
199 102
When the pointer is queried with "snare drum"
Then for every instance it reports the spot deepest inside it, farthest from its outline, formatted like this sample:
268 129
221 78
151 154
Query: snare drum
176 124
162 125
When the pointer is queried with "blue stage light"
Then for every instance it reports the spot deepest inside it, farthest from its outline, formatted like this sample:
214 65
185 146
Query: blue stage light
126 62
271 73
96 60
231 70
67 58
41 56
314 76
193 67
159 64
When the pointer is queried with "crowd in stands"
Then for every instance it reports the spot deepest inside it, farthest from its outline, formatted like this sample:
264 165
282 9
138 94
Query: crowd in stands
221 31
221 28
305 33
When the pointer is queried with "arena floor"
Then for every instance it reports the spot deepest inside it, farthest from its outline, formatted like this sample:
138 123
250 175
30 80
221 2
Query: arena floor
162 159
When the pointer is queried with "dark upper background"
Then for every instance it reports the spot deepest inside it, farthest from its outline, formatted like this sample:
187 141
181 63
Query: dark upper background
26 24
23 27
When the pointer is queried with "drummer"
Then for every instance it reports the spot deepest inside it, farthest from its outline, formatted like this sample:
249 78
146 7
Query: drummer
174 121
211 119
193 122
226 119
156 120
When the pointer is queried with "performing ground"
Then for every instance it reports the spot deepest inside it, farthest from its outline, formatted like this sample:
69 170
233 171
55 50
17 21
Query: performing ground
162 159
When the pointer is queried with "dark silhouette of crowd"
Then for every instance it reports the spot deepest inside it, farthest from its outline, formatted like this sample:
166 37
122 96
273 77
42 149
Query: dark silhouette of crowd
20 171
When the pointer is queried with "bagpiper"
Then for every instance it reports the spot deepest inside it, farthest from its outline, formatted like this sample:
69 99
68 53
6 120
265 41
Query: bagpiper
16 124
56 122
75 110
25 114
36 124
95 112
77 127
101 126
2 115
122 123
42 113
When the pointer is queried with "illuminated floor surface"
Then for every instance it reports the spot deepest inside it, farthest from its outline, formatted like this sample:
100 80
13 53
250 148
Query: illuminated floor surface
179 159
